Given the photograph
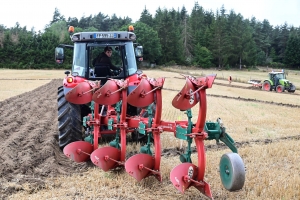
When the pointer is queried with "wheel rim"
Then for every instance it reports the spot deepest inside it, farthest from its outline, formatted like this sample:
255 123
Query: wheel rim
266 86
226 172
279 89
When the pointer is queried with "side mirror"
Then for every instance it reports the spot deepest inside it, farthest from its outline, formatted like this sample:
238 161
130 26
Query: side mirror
139 52
59 55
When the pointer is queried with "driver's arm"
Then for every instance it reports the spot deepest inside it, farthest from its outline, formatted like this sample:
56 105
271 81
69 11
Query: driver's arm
112 67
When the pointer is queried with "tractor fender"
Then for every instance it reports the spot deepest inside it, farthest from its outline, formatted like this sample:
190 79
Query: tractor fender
269 80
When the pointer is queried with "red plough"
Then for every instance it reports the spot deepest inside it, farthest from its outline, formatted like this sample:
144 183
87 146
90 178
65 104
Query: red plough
110 104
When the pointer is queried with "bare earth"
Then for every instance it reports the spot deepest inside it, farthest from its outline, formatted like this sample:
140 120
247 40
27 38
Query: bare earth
28 133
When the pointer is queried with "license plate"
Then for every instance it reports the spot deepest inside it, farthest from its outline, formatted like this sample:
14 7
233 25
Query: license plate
104 35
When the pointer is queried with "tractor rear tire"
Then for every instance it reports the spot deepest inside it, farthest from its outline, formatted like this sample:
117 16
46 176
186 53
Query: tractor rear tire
279 89
232 171
69 120
266 86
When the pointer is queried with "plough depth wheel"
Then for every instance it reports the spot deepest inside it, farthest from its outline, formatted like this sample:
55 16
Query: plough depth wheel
232 171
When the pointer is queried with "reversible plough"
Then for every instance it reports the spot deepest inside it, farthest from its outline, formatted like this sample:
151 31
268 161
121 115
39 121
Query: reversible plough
109 104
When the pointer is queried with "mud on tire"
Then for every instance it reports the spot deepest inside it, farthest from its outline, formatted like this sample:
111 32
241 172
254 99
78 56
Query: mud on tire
69 120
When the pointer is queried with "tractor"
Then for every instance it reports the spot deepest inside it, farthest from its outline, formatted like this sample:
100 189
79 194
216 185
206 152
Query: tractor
277 81
126 105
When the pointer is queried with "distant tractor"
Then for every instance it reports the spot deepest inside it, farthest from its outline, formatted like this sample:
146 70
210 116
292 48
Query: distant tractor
277 81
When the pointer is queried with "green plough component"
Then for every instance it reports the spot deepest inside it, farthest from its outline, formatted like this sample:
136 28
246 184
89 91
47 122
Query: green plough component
142 130
89 139
216 131
181 133
116 142
110 124
146 149
85 119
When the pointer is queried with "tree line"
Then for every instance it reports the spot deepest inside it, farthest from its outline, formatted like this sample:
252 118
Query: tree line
200 38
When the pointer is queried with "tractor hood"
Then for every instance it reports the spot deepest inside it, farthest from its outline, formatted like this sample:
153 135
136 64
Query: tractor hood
284 81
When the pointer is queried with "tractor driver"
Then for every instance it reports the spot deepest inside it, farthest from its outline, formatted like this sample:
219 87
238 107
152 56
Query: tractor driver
104 59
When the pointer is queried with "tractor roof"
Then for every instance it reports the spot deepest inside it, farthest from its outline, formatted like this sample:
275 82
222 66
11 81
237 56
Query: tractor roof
103 36
276 72
281 71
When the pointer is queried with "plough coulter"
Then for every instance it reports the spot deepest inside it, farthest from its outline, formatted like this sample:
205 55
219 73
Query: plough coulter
130 103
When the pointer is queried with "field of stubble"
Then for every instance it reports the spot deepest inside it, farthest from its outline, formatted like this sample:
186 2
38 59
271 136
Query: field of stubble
264 125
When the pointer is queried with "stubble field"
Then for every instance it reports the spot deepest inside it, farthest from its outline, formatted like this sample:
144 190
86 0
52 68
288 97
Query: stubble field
264 125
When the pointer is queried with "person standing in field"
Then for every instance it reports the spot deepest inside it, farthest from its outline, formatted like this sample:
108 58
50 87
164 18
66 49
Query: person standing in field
229 79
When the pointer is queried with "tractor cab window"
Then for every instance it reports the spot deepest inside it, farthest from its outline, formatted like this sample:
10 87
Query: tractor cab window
130 58
79 59
280 76
103 57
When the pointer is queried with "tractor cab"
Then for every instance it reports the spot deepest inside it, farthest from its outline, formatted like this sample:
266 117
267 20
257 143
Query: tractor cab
278 78
89 45
276 75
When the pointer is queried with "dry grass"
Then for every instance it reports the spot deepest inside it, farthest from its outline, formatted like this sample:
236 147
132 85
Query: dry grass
35 78
244 120
272 169
272 173
10 88
31 74
237 75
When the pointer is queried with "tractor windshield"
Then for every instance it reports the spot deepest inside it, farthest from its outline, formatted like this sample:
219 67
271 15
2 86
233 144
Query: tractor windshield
280 76
122 56
130 58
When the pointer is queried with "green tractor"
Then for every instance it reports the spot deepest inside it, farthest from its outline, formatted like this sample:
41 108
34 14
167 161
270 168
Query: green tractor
277 81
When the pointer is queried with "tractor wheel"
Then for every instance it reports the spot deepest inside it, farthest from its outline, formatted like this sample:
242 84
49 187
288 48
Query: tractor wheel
232 171
279 88
69 121
136 136
266 86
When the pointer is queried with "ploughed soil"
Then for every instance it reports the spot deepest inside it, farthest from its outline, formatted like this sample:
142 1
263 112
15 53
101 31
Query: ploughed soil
29 148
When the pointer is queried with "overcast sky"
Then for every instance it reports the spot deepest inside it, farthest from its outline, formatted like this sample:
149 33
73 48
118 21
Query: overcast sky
38 13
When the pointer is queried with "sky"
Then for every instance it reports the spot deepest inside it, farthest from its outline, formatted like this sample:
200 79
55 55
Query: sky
38 13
